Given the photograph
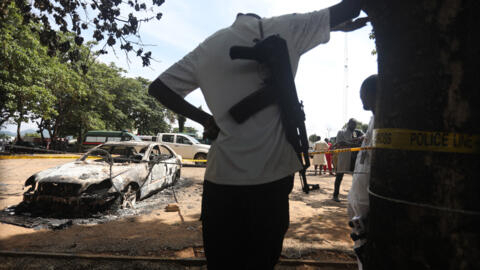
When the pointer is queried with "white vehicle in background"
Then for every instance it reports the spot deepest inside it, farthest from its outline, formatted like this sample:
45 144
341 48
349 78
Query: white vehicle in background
147 138
185 145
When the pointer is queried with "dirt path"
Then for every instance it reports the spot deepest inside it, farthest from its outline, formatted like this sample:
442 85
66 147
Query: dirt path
317 223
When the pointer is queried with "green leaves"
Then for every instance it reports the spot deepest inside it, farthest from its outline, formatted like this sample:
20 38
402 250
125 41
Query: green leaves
312 138
108 21
56 91
23 69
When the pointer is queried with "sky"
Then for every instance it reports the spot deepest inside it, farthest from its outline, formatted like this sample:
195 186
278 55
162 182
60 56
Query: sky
321 78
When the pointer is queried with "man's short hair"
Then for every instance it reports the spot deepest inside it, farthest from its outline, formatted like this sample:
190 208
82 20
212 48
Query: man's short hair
370 83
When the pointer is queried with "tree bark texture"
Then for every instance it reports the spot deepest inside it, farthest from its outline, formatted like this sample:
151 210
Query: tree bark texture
428 63
19 135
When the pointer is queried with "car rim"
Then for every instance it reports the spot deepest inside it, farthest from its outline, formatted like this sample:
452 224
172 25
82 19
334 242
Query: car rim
129 198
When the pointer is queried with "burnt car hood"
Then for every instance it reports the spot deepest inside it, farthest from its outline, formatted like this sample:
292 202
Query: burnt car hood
81 172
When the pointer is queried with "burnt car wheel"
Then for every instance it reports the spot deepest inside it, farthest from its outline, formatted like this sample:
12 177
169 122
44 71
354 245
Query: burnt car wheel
129 198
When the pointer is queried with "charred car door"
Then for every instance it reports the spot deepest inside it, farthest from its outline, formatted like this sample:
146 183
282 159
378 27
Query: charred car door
160 161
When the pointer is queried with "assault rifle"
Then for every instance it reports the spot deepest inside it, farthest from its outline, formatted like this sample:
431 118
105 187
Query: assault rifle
279 88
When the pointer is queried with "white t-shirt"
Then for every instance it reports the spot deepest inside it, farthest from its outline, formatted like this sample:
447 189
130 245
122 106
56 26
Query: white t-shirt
256 151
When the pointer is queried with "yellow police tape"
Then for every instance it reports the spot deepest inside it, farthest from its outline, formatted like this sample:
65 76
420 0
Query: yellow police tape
194 160
354 149
46 157
69 157
416 140
38 157
385 138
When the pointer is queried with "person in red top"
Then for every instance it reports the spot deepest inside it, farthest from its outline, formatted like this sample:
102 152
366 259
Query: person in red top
329 157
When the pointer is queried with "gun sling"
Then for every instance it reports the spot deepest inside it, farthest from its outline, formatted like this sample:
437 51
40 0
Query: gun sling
279 89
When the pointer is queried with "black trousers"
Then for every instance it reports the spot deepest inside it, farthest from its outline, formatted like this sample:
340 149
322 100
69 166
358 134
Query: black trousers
244 226
338 181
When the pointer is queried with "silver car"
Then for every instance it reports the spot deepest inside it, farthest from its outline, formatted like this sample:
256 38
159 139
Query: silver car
114 173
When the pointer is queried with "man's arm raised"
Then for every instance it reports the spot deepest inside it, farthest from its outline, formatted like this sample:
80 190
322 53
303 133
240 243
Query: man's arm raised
344 11
177 104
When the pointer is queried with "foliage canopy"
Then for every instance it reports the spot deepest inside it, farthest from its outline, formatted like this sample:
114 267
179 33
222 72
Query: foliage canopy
107 21
59 97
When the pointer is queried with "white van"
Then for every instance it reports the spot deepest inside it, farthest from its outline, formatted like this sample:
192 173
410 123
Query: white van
147 138
185 145
97 137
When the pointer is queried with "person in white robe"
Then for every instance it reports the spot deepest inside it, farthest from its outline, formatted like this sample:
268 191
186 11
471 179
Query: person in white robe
319 159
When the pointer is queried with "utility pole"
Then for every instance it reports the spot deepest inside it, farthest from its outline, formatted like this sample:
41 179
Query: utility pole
345 81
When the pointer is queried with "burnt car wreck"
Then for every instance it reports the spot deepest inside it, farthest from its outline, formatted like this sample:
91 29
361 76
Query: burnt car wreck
115 174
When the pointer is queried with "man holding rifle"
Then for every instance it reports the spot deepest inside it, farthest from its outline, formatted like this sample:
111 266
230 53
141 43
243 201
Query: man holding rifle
249 174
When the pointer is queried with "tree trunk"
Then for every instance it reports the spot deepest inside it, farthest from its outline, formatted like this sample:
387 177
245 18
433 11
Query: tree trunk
19 125
55 128
40 129
181 122
428 80
79 140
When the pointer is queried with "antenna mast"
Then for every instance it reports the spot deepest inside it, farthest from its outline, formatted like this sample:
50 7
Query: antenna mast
345 78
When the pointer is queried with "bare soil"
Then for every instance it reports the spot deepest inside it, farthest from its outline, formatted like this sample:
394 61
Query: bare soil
318 226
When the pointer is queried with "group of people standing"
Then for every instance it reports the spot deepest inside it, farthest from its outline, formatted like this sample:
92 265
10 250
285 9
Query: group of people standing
322 160
344 161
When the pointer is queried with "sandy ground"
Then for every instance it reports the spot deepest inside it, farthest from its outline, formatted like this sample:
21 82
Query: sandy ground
317 223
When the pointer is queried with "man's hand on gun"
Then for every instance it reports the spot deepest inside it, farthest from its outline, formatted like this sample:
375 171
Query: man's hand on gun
211 129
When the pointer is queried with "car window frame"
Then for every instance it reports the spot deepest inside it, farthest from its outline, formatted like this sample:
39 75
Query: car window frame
173 138
185 138
160 146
